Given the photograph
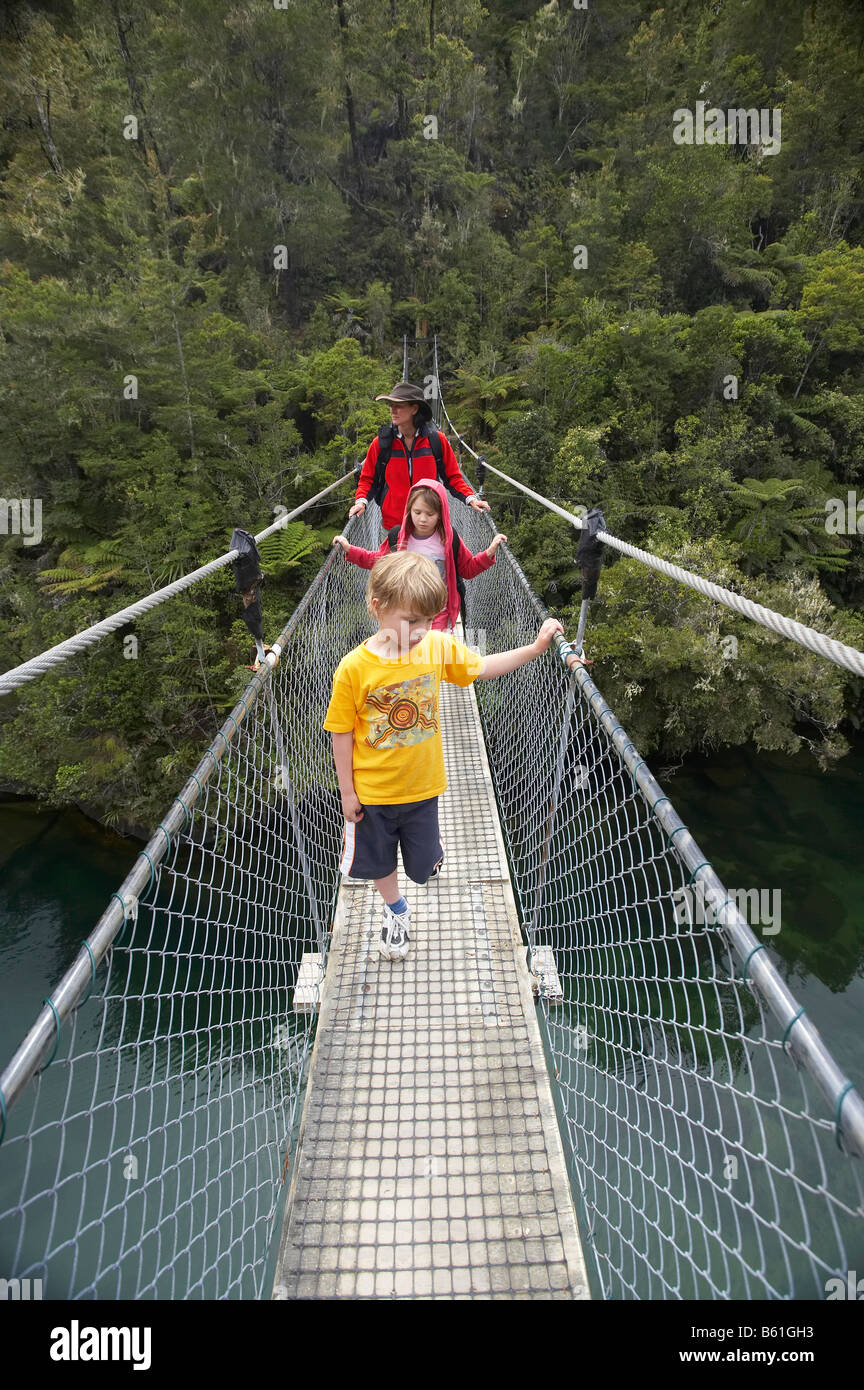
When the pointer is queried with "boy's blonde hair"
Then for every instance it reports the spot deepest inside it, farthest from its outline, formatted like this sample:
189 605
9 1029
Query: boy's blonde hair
406 580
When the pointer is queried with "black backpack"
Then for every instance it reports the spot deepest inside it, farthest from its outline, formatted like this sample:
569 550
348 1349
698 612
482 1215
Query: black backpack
386 436
392 538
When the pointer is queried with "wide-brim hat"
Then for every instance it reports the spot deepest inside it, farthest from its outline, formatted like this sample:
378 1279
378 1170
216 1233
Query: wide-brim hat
406 393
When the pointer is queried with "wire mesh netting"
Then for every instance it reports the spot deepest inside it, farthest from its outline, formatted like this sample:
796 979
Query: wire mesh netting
150 1158
707 1164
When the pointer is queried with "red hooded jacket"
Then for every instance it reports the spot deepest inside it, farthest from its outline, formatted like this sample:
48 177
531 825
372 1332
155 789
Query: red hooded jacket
469 565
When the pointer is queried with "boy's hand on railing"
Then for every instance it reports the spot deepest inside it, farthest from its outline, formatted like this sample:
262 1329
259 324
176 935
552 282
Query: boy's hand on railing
478 504
351 808
502 663
546 633
494 544
359 506
340 540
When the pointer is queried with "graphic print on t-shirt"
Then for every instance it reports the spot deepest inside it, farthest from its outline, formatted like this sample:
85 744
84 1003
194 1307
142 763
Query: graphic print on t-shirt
405 713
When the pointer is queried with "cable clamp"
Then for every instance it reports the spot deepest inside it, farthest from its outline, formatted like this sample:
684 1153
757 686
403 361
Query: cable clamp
569 649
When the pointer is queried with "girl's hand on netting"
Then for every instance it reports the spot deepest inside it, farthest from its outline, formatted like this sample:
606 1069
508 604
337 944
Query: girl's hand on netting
546 633
495 542
351 808
340 540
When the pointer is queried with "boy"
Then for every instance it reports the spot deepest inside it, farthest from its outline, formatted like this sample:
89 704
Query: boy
383 716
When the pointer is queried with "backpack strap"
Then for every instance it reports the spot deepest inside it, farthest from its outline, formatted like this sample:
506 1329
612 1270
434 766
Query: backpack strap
460 582
435 445
392 537
386 435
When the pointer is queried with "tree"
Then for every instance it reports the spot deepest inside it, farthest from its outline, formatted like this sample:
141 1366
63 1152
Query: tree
832 303
780 524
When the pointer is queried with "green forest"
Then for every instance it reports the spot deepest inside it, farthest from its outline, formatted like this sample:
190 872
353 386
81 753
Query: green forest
217 222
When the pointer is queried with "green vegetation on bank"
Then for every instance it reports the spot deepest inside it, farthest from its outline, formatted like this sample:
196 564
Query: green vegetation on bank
194 323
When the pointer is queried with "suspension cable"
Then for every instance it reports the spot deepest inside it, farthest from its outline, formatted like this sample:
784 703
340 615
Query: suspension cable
29 670
818 642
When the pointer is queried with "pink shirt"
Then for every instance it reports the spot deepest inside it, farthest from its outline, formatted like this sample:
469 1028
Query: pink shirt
433 548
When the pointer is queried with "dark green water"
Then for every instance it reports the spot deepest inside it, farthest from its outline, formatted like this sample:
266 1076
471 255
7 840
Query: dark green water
57 873
776 822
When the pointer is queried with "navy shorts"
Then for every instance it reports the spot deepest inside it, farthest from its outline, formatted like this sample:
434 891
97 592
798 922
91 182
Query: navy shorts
369 845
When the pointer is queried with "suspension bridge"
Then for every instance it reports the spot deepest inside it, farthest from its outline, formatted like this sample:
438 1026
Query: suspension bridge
566 1092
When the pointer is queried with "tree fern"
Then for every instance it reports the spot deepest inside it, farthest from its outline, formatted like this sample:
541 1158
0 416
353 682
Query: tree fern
776 530
82 569
284 549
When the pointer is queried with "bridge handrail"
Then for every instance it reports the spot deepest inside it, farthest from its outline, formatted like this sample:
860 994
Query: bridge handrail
818 642
78 979
802 1039
37 665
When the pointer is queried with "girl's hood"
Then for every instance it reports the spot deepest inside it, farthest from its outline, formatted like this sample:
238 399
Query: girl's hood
441 493
453 601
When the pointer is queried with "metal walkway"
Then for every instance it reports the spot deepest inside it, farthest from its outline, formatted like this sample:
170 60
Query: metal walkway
429 1161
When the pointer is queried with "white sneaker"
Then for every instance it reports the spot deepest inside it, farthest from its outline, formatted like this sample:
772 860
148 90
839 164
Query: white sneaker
394 942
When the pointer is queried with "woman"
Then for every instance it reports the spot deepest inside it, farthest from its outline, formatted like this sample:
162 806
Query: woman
412 441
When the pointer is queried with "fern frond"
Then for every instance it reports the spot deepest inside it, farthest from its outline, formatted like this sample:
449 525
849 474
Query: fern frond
287 547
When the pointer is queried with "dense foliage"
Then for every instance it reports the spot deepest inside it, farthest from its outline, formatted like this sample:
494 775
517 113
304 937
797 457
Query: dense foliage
168 372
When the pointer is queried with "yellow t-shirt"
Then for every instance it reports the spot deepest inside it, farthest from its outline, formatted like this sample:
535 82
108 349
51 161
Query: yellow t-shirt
392 709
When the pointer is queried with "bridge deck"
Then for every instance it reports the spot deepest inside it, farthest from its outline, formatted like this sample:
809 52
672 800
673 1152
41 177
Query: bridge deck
429 1163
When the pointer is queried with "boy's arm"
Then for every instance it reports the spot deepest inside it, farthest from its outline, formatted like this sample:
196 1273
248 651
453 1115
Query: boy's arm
501 663
343 757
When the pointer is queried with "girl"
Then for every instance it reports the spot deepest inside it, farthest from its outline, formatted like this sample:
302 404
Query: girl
426 529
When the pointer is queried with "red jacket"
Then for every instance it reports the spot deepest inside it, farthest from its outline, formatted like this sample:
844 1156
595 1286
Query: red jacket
469 565
402 472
